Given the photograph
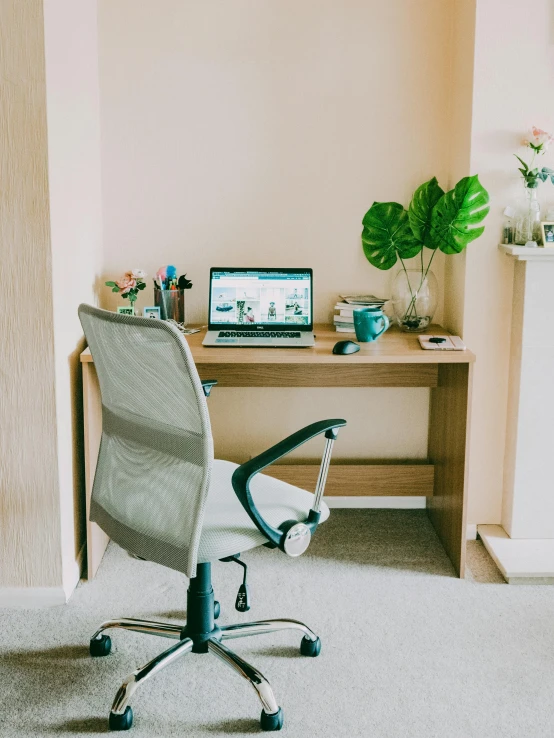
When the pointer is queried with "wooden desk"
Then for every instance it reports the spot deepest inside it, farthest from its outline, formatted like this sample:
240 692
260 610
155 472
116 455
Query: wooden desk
395 360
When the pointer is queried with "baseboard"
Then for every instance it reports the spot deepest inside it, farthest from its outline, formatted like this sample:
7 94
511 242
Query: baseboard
471 531
400 503
31 597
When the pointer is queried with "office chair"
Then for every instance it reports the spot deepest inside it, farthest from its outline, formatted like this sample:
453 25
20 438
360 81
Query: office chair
159 493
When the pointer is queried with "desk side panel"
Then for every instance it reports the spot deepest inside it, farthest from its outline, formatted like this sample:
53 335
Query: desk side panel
448 452
97 540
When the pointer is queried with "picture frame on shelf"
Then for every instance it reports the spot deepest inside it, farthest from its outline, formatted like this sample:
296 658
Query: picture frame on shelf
547 232
151 312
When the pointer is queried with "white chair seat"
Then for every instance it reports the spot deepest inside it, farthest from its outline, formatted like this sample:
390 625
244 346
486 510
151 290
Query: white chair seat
227 528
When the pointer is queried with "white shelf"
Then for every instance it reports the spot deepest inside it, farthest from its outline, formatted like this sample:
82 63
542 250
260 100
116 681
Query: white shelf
528 253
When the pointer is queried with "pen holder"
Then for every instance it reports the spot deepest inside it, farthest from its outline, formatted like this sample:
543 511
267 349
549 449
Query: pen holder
171 304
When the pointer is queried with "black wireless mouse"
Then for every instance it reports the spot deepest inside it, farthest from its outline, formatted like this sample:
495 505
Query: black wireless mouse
345 347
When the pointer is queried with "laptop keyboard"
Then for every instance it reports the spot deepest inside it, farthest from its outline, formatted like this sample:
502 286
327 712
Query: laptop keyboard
259 334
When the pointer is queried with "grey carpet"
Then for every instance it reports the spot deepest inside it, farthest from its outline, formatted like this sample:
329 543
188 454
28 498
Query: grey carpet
408 649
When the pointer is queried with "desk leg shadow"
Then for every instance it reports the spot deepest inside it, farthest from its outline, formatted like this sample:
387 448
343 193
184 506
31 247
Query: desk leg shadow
448 451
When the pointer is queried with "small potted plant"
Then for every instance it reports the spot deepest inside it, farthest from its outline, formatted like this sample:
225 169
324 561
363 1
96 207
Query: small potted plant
529 218
436 221
129 285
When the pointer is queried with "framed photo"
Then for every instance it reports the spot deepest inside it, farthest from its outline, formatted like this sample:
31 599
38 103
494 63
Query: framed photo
547 230
151 312
126 310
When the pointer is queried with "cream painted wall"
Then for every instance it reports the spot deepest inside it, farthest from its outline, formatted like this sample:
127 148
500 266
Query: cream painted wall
30 554
71 51
257 133
50 236
461 112
512 81
247 133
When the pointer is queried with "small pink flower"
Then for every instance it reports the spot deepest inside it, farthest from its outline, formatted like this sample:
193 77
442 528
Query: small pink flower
541 138
126 284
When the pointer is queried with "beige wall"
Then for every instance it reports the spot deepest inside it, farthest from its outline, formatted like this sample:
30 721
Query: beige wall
512 81
30 554
50 235
257 134
245 133
71 49
461 113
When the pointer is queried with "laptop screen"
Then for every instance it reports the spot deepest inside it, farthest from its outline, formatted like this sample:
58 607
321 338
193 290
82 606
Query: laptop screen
260 297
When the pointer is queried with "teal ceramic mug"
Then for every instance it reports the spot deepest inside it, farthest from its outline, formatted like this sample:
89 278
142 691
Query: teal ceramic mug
369 323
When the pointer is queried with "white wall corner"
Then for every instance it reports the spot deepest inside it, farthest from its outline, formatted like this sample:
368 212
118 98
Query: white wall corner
471 531
37 597
73 575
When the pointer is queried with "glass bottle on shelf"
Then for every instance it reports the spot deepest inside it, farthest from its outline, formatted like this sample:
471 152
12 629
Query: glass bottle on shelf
528 228
509 227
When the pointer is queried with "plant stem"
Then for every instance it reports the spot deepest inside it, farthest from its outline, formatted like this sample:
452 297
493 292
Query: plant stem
409 285
412 306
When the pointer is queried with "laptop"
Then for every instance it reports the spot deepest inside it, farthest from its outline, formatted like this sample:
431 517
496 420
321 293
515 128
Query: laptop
260 307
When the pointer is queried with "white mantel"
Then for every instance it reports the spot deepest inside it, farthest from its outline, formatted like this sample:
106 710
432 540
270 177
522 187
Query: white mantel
527 253
523 547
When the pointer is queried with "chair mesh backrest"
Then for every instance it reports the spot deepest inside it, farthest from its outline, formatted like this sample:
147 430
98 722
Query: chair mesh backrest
156 453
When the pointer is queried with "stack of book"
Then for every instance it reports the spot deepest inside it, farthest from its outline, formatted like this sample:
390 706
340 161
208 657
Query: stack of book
344 318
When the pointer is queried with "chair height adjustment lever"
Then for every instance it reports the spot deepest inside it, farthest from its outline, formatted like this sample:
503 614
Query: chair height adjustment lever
242 603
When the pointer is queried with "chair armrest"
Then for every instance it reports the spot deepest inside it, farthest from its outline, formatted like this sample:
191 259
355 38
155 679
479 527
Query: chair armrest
244 473
208 385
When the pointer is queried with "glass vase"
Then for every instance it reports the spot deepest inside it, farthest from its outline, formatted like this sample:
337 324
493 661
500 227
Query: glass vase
414 299
528 226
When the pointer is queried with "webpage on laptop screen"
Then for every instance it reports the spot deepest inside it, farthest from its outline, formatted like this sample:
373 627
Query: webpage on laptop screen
262 298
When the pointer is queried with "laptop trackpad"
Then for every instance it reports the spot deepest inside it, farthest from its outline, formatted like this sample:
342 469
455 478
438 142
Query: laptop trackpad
226 340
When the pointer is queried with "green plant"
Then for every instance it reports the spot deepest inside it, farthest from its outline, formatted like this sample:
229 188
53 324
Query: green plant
436 220
130 284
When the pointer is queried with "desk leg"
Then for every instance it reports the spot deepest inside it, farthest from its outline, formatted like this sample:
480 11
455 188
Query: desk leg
448 451
97 540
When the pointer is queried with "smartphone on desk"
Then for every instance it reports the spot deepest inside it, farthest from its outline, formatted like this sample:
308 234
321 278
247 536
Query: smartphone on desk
441 343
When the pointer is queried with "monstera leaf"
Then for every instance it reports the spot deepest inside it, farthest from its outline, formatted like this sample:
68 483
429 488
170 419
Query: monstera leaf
387 235
421 208
455 217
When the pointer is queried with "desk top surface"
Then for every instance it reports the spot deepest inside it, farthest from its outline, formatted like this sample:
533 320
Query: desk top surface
393 347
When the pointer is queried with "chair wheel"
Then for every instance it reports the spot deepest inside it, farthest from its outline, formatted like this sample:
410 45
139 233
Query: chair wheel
310 648
217 610
101 646
272 722
121 722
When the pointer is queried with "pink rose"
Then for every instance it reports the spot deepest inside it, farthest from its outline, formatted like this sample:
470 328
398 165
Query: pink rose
126 284
541 138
